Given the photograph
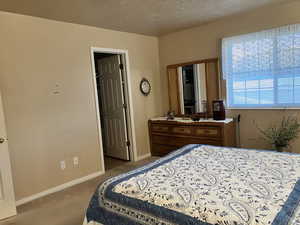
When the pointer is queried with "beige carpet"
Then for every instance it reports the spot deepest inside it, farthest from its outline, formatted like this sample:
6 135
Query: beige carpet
111 163
66 207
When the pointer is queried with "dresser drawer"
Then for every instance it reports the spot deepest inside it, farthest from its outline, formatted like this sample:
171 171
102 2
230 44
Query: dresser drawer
167 136
182 130
208 132
160 128
181 141
161 150
161 139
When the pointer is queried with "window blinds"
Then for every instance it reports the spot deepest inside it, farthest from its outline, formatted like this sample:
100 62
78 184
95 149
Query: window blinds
262 69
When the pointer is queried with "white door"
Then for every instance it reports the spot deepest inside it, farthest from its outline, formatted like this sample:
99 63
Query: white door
112 107
7 197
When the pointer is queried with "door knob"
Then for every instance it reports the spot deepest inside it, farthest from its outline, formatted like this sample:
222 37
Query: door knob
2 140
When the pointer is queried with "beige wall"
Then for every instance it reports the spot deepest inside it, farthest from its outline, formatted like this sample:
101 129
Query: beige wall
39 57
204 42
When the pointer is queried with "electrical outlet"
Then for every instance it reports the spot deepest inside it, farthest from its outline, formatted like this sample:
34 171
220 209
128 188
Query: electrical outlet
76 161
63 165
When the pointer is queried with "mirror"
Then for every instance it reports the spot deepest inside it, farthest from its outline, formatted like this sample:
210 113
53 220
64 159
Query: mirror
193 86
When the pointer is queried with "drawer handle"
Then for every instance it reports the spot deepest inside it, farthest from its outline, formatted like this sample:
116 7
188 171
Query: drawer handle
207 131
181 130
160 128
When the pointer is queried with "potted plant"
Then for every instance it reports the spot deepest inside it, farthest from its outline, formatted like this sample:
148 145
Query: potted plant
280 135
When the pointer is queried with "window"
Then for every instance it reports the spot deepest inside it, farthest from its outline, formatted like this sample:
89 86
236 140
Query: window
262 70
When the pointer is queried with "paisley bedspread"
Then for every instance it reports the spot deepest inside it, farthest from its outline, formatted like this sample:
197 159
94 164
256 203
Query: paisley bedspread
204 185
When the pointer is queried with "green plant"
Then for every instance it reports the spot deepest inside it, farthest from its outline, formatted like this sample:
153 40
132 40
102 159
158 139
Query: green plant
280 135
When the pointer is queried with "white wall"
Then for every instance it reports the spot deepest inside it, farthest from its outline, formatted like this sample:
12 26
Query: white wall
39 57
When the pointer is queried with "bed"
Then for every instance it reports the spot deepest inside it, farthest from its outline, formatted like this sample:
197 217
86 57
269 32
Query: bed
203 185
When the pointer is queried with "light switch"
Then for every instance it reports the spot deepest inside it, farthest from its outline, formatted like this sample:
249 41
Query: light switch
63 165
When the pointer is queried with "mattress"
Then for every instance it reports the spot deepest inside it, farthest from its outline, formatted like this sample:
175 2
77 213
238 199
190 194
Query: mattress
203 185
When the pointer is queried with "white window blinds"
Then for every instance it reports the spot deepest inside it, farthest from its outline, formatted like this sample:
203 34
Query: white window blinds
262 70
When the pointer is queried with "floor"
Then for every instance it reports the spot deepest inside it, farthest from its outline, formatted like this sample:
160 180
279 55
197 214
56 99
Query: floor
66 207
111 163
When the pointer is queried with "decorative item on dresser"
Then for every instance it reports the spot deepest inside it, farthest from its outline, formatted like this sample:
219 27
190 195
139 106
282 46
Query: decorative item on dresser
166 135
218 110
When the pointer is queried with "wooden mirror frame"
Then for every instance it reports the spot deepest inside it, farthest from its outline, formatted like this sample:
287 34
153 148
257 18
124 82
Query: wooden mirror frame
212 84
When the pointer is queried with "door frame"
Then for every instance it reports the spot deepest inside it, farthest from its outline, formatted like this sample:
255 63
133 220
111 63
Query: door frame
127 95
6 177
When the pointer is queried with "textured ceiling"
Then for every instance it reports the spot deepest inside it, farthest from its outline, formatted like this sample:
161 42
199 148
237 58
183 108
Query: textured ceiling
151 17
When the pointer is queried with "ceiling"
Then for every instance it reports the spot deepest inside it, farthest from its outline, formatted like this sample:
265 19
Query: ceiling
150 17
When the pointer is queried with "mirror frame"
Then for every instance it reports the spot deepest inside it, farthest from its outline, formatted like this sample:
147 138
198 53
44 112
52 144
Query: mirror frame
174 96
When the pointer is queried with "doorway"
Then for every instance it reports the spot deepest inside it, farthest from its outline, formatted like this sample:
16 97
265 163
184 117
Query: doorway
113 101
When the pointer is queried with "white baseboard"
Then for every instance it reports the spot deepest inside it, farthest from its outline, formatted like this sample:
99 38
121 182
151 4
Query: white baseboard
68 184
58 188
143 156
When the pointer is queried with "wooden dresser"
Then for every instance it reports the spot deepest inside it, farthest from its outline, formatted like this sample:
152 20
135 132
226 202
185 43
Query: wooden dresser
166 136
